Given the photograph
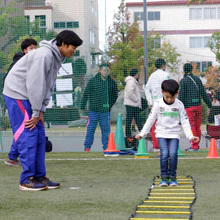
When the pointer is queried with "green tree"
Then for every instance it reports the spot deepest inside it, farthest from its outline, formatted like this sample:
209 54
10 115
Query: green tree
5 15
214 45
126 47
12 25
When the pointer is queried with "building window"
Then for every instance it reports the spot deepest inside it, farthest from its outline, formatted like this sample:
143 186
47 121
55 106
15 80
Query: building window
218 12
92 37
202 66
92 61
27 24
199 42
61 24
74 24
195 13
42 20
138 16
209 13
69 24
32 3
155 43
153 15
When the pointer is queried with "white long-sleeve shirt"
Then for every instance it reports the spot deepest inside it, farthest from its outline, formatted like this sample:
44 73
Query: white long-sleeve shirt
169 119
153 87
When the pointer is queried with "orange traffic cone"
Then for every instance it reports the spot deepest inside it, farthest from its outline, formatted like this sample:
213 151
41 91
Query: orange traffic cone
213 152
111 145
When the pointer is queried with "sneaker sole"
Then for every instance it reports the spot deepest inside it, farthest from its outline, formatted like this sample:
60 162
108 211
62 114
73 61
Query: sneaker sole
32 189
173 185
11 164
164 185
53 187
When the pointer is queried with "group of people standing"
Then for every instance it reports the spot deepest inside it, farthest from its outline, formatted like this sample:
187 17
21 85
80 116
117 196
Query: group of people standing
101 93
191 93
29 85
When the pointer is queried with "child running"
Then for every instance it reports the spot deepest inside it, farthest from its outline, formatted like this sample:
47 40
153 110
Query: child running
170 114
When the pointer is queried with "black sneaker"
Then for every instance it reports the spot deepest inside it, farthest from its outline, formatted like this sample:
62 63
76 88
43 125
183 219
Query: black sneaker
32 185
48 183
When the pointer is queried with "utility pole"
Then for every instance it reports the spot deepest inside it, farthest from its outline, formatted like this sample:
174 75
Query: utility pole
145 42
145 50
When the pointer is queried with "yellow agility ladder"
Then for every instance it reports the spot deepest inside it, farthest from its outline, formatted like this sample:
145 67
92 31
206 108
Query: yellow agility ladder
167 203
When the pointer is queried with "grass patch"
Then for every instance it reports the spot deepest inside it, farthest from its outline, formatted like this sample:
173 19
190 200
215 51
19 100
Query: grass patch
109 189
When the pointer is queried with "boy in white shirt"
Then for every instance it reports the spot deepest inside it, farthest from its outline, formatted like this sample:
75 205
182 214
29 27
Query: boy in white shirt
169 113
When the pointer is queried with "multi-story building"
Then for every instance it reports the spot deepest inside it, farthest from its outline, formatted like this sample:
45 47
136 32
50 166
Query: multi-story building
81 16
188 28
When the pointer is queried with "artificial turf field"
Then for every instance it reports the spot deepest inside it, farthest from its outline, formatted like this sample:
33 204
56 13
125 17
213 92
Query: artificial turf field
103 188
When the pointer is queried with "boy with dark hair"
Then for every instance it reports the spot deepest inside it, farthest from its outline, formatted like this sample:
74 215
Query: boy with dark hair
27 92
169 113
191 92
26 46
160 62
101 92
153 91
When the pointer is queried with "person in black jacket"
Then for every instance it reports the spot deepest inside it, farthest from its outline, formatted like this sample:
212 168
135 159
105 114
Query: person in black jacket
101 92
26 46
191 92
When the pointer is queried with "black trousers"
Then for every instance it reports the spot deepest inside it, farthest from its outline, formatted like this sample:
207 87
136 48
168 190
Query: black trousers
132 112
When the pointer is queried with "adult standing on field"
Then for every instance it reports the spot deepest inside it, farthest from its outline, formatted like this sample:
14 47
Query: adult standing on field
27 45
101 92
191 94
27 91
153 91
132 102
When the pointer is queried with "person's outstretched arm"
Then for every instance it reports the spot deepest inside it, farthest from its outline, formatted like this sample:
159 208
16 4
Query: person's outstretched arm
150 121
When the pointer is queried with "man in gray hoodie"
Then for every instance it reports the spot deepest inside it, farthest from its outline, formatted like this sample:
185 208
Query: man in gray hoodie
27 91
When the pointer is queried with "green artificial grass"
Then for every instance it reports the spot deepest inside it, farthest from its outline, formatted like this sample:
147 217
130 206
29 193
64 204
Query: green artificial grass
109 188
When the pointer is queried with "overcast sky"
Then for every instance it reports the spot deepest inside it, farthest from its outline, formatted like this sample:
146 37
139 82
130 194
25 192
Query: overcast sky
111 8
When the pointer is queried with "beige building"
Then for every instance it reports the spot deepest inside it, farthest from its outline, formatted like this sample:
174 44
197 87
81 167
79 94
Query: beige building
188 28
81 16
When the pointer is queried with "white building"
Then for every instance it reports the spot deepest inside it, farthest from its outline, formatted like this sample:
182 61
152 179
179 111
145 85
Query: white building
187 27
81 16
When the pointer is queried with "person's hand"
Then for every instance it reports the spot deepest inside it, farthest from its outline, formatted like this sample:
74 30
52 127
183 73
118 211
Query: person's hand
31 123
41 118
195 139
138 136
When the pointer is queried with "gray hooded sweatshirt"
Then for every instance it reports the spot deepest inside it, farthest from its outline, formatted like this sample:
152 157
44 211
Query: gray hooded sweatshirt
33 77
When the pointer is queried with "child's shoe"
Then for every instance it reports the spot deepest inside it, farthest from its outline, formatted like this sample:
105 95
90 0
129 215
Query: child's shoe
164 182
173 182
